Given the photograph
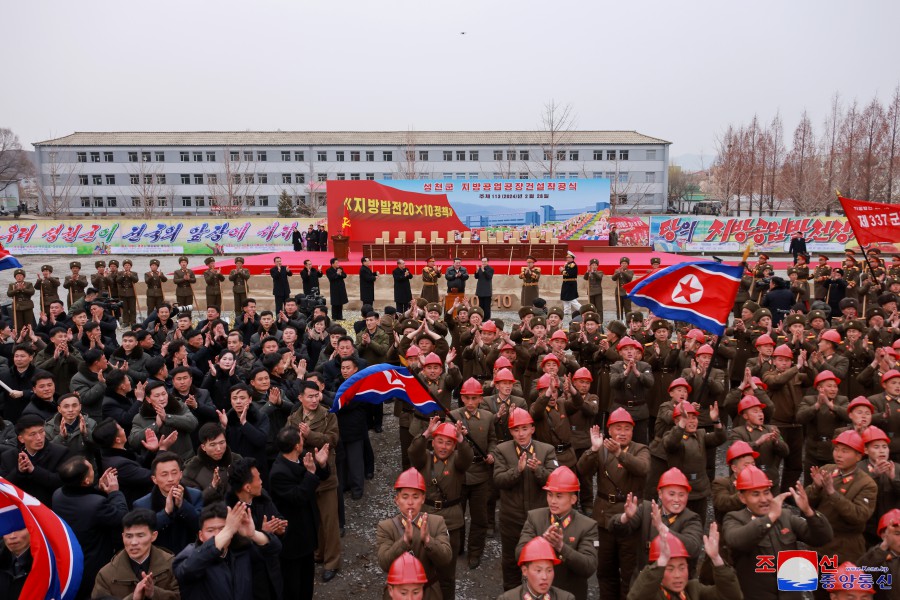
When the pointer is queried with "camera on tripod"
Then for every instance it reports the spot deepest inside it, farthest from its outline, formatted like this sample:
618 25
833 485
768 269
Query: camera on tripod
306 304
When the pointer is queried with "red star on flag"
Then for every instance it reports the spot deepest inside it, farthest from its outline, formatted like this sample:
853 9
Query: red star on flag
685 290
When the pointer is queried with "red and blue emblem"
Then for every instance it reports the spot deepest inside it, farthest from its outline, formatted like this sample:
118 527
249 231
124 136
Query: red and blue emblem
379 383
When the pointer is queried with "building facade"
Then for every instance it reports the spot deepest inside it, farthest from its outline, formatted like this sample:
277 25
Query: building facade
201 173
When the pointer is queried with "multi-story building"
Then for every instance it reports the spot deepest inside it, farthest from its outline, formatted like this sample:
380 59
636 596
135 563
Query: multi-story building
248 171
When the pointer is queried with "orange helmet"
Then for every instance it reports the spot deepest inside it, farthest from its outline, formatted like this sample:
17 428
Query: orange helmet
830 335
860 401
764 340
681 381
890 375
889 519
410 478
562 479
550 357
826 376
673 476
676 547
705 349
559 334
506 346
851 439
684 408
489 326
432 359
538 549
874 434
504 375
583 373
405 570
752 478
413 351
471 387
749 402
620 415
848 574
759 382
738 449
519 416
502 363
784 351
544 381
696 334
448 430
627 341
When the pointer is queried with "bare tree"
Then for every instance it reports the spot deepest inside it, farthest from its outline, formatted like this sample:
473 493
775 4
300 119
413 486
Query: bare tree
681 185
55 183
872 126
776 156
14 163
554 137
151 193
234 189
728 175
802 179
893 143
408 164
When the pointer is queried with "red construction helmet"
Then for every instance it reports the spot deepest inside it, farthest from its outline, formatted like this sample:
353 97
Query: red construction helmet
406 570
627 341
704 349
502 363
676 547
432 359
749 402
538 549
544 381
673 476
448 430
759 382
846 575
562 479
752 478
890 351
764 340
830 335
874 434
826 376
890 375
506 346
489 326
738 449
559 334
896 345
550 357
413 352
851 439
471 387
696 334
889 519
681 381
783 351
583 373
860 401
684 408
410 478
519 416
504 375
620 415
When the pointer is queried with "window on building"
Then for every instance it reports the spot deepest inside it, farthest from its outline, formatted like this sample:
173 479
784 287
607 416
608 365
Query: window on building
198 178
162 201
263 200
523 155
249 178
261 156
134 179
285 156
448 155
370 176
161 180
234 156
370 156
321 176
447 175
651 154
623 177
285 178
387 156
339 156
622 199
248 155
410 156
97 179
160 156
623 154
597 175
198 157
98 202
610 155
423 155
299 178
560 155
212 179
235 179
573 154
523 175
111 201
424 176
321 155
510 155
186 156
95 157
460 175
460 155
301 199
354 156
299 156
650 177
185 179
211 156
388 176
82 180
354 176
264 178
85 202
498 154
107 157
186 201
110 180
135 202
82 157
598 154
340 177
148 179
547 155
473 154
200 200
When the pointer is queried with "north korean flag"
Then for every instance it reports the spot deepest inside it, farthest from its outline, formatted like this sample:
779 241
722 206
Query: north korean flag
700 293
380 383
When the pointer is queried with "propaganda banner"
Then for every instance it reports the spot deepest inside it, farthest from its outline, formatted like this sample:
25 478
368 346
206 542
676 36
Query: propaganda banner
873 222
732 234
169 235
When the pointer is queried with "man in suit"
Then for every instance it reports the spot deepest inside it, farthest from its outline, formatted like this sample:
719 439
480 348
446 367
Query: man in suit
281 287
456 277
310 277
484 287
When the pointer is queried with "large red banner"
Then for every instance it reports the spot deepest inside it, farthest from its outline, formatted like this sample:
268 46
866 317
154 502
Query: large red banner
872 221
373 208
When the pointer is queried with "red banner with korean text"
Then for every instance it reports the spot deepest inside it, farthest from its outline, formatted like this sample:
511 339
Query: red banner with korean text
872 222
374 208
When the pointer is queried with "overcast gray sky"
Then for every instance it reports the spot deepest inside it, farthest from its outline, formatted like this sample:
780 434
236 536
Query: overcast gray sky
677 70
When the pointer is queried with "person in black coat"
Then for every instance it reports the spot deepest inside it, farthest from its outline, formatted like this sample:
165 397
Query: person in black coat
367 278
336 276
94 514
18 378
293 481
33 468
120 401
132 472
281 287
484 287
456 277
312 239
798 245
246 428
297 239
321 239
353 424
402 287
835 290
779 300
310 277
15 563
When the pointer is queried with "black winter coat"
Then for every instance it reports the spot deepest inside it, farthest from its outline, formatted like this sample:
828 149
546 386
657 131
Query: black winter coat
21 382
367 278
204 574
249 440
44 480
294 492
133 474
402 288
338 289
281 287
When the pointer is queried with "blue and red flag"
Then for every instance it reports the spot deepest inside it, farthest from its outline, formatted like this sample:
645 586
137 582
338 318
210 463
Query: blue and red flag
700 293
7 260
379 383
58 562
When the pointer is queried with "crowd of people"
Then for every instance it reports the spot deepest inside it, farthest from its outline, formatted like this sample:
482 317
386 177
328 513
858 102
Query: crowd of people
199 459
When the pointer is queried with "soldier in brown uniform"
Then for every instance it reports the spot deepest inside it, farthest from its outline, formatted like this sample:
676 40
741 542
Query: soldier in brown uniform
125 283
820 276
21 292
537 560
884 555
763 528
444 469
100 279
885 472
656 350
414 531
530 277
852 274
594 277
678 392
213 279
75 283
621 276
551 411
725 498
439 382
502 402
821 414
621 466
845 495
240 277
430 277
521 468
581 422
46 287
113 278
319 426
477 491
887 409
764 439
571 534
799 288
154 278
184 280
630 381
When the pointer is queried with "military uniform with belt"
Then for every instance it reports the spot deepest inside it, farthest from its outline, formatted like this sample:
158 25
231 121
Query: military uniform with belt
434 555
621 276
552 424
47 288
241 279
821 275
594 277
113 278
819 423
21 292
441 390
125 281
75 283
100 279
771 452
184 280
430 277
848 510
631 393
530 277
213 279
154 281
493 404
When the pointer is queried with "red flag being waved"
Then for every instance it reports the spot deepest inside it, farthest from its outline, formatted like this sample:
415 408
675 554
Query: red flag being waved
872 222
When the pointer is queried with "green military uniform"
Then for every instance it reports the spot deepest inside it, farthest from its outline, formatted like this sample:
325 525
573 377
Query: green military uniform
551 425
47 288
240 277
441 390
688 452
434 555
579 550
786 391
154 281
725 498
621 276
771 452
494 403
648 586
595 286
23 306
213 279
819 424
100 280
530 282
430 278
113 278
522 593
184 279
76 284
852 274
848 510
859 356
125 282
821 275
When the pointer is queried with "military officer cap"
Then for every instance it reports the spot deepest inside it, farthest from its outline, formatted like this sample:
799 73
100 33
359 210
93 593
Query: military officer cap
154 262
857 325
659 324
792 271
849 252
182 259
848 302
625 259
891 281
114 263
401 326
239 259
764 255
477 311
433 307
763 312
127 261
655 261
821 255
208 260
421 302
74 264
99 263
793 319
815 314
875 311
539 321
751 306
635 316
586 308
556 311
19 272
47 268
525 310
885 298
591 316
617 327
572 254
594 261
874 251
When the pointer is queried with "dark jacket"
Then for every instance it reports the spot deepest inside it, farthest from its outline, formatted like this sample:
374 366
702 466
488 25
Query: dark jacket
44 480
133 475
11 585
121 408
13 407
294 492
180 528
281 287
456 278
117 579
402 287
310 280
485 286
249 440
367 278
204 574
779 301
338 289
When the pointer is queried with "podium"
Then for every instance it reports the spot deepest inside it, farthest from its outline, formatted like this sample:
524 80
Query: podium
341 245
